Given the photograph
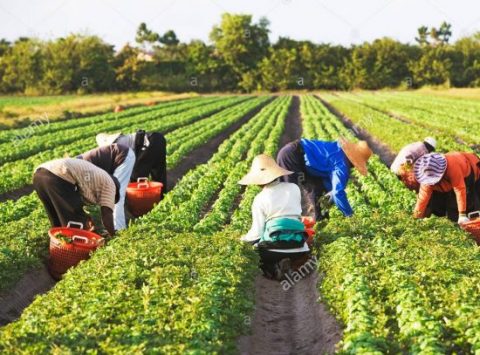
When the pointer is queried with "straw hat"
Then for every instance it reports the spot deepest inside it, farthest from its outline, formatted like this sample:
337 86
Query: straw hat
104 139
357 153
263 171
430 168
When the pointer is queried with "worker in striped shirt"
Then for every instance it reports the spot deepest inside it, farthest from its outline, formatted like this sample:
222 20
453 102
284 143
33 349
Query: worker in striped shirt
456 174
66 185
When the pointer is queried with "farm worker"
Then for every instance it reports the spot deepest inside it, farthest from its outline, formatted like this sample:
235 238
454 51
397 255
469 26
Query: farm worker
150 151
402 166
65 185
323 169
117 160
276 227
457 174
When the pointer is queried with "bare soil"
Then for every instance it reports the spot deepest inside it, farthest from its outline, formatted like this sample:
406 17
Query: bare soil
379 148
13 302
290 320
202 154
17 193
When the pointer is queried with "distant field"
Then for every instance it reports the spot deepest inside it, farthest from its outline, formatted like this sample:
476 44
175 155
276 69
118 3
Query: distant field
17 111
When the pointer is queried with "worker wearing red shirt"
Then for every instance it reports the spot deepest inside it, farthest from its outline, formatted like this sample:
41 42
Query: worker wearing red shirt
455 173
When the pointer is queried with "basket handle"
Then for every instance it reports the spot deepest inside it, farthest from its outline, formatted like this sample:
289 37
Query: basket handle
73 223
79 237
473 214
142 179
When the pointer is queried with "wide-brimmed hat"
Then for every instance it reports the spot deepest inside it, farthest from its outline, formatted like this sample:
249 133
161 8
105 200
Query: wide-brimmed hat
430 168
104 139
263 171
358 154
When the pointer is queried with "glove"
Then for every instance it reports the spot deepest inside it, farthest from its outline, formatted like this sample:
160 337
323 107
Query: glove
463 219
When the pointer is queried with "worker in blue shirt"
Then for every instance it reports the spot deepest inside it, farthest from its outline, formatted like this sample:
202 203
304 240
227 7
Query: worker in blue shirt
322 169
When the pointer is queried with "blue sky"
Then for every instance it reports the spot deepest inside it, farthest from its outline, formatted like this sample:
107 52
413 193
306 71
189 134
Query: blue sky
332 21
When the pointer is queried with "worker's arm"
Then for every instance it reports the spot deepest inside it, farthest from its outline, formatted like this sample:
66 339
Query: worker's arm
339 178
424 195
258 222
107 220
460 189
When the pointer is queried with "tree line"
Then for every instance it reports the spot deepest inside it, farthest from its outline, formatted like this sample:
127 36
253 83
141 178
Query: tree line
239 57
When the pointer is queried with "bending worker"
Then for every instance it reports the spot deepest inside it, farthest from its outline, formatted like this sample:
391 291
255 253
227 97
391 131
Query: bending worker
458 175
276 228
323 169
117 160
402 166
150 151
65 185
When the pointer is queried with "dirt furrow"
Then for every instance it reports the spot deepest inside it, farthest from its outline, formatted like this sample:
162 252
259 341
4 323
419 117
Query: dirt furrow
288 317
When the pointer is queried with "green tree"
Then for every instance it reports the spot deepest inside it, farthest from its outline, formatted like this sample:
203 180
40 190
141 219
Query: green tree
382 63
128 69
146 36
433 67
241 44
169 38
423 34
22 66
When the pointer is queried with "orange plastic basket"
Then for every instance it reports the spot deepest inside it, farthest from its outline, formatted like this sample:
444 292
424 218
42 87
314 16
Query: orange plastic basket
309 223
473 227
143 195
66 254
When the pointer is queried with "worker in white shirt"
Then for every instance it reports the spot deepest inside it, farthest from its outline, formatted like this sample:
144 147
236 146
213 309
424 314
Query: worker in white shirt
150 150
276 230
117 160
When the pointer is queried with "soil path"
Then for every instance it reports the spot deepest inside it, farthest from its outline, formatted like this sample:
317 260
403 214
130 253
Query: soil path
379 148
33 283
288 317
203 153
38 281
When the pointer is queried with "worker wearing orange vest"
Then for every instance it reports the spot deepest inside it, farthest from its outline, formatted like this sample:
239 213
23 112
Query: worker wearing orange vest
457 174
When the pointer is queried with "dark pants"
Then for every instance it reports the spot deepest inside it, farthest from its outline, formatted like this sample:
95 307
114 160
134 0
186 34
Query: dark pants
61 199
152 161
291 157
268 259
445 203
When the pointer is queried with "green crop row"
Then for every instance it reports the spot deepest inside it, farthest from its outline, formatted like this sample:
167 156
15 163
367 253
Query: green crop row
434 116
44 126
398 133
18 173
27 146
153 289
22 232
399 285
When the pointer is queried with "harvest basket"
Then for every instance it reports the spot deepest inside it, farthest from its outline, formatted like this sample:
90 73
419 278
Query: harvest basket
67 253
143 195
309 222
473 226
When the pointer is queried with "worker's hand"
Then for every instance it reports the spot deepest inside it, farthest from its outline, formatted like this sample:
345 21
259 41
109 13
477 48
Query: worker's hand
462 219
89 226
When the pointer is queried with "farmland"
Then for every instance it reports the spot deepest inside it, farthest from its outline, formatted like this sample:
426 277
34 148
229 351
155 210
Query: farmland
178 280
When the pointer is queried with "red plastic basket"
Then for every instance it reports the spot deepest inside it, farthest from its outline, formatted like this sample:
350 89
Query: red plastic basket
64 254
309 223
143 195
473 227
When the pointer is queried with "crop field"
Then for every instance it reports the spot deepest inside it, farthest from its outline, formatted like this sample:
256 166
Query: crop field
178 280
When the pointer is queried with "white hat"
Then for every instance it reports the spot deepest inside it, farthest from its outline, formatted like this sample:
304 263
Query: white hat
432 141
104 139
263 171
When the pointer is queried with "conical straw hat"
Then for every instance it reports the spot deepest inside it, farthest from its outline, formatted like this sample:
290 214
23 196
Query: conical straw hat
357 153
264 170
